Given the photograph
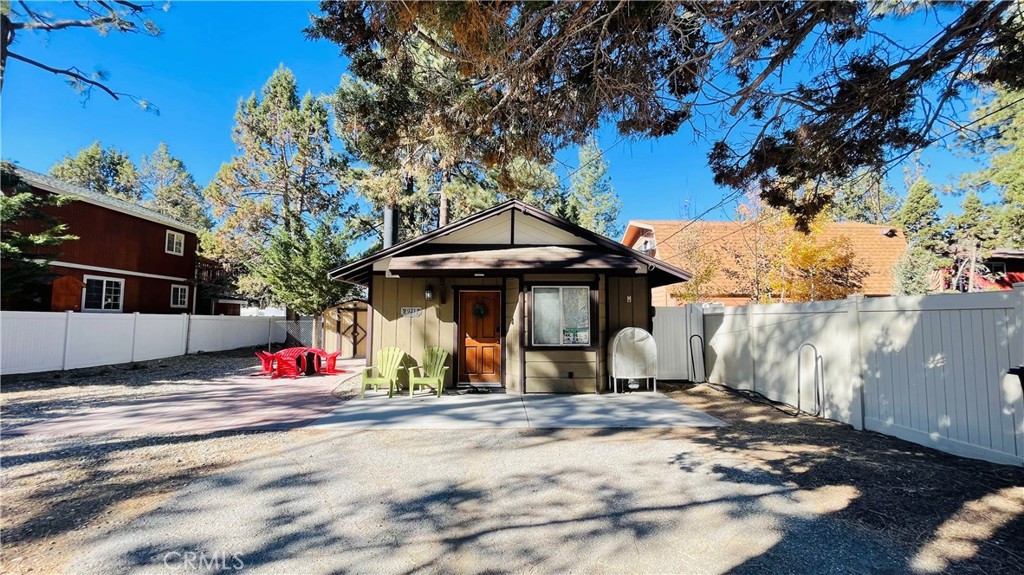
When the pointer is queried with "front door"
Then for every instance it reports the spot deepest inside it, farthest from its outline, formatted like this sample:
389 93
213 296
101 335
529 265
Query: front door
480 334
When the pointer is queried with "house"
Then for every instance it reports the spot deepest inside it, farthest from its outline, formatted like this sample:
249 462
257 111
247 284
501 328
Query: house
1005 267
127 259
730 248
520 298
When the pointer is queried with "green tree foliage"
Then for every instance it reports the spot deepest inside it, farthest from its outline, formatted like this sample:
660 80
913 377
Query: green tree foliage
296 262
912 273
546 74
1000 136
919 218
122 16
284 170
28 238
592 198
171 189
103 170
866 197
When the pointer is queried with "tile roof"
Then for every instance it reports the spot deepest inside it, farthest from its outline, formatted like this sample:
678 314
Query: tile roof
55 186
728 243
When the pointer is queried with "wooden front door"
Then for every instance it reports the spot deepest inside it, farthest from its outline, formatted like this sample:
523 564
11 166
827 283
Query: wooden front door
480 336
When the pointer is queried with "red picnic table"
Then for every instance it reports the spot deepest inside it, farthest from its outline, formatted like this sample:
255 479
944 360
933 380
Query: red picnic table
294 361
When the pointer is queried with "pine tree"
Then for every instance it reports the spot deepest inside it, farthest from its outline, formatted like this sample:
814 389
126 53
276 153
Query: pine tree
106 171
296 262
913 271
171 189
919 218
864 197
592 196
28 238
285 170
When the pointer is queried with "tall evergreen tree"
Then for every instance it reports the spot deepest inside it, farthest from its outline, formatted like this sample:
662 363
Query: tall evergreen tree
865 197
29 238
296 262
285 169
592 198
919 218
103 170
171 189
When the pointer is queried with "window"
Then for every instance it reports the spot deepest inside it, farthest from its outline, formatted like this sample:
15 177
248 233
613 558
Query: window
997 269
175 243
179 296
102 294
561 315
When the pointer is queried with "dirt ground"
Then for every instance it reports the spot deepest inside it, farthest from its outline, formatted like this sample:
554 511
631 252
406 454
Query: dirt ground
950 514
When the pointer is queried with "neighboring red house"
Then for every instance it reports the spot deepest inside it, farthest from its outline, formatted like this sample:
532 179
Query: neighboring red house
127 259
1005 268
877 248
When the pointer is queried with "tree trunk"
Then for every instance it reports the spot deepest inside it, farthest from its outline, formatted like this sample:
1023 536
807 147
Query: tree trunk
443 207
390 226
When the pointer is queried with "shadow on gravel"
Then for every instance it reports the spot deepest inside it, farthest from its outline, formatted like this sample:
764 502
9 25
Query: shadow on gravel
952 514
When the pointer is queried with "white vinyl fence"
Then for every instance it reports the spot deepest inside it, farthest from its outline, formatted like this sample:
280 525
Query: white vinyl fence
928 369
32 342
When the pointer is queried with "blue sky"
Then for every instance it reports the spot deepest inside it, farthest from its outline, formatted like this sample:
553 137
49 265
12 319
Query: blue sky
213 53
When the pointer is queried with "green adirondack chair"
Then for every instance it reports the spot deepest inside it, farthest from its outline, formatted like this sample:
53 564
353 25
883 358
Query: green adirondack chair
389 362
431 373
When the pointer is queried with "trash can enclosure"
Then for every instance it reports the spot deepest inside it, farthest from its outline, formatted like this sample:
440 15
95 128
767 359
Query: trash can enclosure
633 354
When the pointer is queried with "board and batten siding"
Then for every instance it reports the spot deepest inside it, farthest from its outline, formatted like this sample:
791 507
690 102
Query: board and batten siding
435 327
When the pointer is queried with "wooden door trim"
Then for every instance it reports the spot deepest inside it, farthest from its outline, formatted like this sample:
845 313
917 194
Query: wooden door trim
457 312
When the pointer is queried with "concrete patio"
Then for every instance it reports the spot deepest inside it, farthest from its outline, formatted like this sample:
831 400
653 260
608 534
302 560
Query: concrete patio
538 411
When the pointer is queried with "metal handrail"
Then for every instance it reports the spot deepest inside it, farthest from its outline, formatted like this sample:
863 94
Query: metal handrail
693 361
818 360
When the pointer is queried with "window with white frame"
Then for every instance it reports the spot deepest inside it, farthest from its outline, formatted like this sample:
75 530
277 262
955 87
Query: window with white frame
103 294
561 316
179 296
997 269
175 243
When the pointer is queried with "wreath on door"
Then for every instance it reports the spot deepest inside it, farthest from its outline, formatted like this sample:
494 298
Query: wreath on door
480 311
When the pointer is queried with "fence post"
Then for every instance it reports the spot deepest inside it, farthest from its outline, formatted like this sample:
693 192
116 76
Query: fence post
856 361
752 344
67 339
135 332
185 327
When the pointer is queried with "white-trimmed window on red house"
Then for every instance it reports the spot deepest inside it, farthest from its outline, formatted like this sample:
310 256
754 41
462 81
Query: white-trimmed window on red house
175 243
561 316
103 294
179 296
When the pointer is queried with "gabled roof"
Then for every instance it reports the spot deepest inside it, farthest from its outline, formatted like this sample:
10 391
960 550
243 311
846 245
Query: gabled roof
55 186
876 249
358 272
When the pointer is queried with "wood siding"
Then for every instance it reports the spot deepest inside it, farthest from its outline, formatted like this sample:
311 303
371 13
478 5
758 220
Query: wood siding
111 239
143 295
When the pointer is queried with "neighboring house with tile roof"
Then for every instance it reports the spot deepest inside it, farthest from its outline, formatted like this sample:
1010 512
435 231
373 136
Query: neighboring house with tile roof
128 258
729 245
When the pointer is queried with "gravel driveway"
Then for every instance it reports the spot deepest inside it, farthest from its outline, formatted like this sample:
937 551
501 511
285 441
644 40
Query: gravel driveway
496 501
767 493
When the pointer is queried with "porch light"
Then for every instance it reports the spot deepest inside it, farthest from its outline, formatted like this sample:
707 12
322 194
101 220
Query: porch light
428 294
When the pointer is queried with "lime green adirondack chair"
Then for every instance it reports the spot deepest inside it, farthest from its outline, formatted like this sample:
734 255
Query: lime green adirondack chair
432 372
389 360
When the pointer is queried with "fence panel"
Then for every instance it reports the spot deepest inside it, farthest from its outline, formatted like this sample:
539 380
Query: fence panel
99 339
674 331
936 372
728 349
928 369
217 333
159 336
32 341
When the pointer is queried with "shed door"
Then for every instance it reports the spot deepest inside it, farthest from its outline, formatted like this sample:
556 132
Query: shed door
480 336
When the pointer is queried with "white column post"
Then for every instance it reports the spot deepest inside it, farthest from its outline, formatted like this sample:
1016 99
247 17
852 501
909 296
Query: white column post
67 338
185 327
856 361
135 332
752 344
